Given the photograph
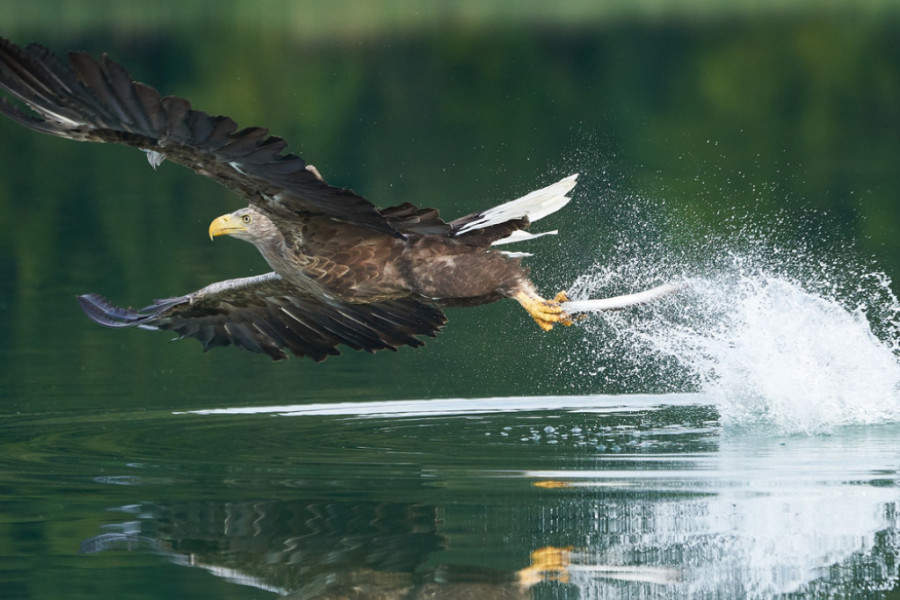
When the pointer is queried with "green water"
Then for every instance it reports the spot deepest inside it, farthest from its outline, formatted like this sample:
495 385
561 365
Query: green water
134 467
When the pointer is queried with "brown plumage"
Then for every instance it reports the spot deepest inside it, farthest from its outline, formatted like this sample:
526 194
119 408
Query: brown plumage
343 270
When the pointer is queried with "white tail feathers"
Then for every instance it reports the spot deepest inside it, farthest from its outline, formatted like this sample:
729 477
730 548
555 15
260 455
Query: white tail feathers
522 236
536 205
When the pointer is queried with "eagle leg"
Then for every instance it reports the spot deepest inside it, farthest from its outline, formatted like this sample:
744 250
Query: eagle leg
546 313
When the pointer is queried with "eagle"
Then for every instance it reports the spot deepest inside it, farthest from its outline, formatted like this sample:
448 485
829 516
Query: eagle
344 272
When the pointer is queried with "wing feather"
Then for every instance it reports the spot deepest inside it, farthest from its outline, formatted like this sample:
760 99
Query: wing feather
265 314
96 100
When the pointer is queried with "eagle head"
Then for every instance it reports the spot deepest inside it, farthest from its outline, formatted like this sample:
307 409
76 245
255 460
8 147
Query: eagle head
246 224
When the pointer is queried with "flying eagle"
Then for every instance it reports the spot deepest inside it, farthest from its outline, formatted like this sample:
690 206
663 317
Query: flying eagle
343 270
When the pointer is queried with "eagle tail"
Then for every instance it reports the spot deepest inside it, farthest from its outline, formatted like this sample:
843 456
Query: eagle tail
536 205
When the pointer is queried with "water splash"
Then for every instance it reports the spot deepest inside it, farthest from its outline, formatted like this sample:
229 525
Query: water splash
778 335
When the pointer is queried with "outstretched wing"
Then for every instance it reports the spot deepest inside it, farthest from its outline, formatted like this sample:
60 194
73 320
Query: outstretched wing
266 314
96 100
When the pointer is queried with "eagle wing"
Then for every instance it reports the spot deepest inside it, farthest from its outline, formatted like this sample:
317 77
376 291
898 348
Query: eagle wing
96 100
267 314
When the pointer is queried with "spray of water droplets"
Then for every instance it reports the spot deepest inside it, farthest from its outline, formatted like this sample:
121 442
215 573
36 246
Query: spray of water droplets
782 336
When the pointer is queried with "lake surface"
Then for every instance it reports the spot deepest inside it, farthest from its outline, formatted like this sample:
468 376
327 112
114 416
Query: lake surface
736 440
516 497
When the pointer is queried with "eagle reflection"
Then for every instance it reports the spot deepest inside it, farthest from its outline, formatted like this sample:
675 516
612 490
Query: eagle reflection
307 550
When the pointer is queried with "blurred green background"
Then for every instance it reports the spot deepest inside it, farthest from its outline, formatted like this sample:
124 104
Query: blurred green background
682 117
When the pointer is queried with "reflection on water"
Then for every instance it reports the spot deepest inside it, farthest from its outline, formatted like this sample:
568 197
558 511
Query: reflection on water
590 497
282 546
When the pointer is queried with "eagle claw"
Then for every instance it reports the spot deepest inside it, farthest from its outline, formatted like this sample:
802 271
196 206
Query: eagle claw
546 313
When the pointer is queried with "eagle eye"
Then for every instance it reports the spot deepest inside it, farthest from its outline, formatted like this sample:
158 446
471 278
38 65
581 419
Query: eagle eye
246 219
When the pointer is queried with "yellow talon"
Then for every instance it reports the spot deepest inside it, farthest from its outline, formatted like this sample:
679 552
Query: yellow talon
546 313
547 564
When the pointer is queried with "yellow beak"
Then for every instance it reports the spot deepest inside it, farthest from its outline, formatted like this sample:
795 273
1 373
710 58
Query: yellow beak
225 225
